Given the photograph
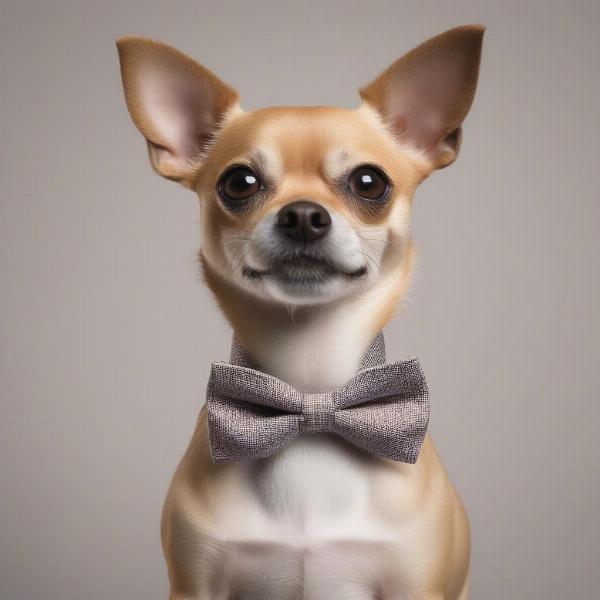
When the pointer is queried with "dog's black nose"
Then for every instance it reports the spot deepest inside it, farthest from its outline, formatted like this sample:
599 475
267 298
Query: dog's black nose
303 220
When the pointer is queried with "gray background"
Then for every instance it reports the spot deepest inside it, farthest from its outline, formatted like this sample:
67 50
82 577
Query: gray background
107 332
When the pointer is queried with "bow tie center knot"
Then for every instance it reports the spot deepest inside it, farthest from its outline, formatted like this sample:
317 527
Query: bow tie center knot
318 413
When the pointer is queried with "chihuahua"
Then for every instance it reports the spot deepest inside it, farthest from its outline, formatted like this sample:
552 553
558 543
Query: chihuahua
307 250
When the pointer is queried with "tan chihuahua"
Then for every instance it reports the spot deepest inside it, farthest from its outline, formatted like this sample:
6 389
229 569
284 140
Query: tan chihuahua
307 249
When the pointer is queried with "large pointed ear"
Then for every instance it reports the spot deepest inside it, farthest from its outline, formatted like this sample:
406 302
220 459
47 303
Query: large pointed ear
177 104
424 96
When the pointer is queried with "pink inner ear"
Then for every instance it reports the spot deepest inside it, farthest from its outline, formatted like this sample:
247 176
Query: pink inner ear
422 104
179 112
399 125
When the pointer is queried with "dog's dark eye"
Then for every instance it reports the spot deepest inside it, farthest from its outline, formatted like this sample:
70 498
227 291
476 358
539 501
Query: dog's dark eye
369 182
239 183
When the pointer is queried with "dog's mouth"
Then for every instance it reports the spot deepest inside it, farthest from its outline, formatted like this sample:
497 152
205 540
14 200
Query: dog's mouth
302 270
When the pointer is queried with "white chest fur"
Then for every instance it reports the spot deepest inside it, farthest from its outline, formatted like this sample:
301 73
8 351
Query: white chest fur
312 522
318 485
318 488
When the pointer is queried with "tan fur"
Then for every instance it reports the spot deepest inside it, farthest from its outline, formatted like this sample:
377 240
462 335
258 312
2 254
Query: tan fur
268 529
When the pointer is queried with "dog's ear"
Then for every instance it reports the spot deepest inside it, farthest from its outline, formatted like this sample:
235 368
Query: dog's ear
425 95
177 104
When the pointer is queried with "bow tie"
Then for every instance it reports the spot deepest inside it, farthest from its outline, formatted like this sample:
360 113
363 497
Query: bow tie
384 409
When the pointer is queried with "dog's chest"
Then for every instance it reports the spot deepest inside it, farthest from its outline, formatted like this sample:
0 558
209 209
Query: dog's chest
317 489
313 518
318 486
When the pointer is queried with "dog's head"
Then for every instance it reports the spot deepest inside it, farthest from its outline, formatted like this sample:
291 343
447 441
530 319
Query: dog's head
304 205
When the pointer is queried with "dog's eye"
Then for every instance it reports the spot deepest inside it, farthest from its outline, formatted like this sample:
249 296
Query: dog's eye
239 183
369 182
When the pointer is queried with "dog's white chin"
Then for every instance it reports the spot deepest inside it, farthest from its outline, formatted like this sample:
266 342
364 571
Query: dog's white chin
296 293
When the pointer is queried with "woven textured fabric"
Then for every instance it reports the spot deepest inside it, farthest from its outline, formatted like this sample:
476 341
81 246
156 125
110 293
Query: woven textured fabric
384 409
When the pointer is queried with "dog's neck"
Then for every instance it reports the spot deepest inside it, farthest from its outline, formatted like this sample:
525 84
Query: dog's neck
320 349
313 348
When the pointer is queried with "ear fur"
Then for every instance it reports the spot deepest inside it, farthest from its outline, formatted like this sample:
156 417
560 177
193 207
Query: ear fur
177 104
425 95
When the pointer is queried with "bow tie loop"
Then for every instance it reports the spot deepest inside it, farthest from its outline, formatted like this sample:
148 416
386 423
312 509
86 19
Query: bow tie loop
251 386
398 379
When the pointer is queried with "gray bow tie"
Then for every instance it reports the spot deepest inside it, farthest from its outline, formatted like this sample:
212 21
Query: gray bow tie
384 409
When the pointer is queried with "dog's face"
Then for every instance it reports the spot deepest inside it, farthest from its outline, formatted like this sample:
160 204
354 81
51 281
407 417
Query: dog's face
304 205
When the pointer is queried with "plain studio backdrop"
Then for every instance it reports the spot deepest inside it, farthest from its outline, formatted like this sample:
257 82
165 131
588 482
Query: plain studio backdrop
107 331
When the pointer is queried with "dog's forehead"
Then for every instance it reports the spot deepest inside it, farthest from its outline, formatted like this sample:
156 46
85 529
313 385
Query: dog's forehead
313 130
309 139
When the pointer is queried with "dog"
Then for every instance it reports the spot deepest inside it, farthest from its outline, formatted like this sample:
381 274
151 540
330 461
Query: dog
307 250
